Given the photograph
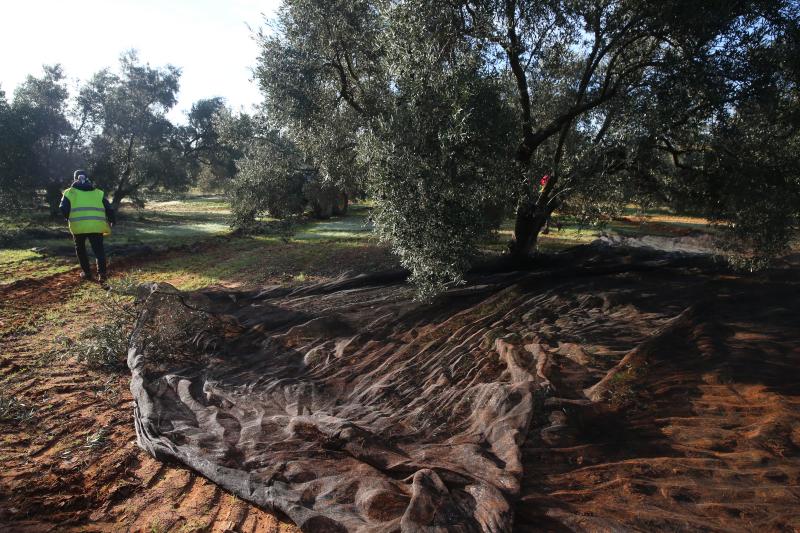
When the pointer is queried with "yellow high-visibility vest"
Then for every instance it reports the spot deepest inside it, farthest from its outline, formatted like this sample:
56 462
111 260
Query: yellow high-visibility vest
87 213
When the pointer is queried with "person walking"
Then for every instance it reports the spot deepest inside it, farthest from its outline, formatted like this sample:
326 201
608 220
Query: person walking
90 216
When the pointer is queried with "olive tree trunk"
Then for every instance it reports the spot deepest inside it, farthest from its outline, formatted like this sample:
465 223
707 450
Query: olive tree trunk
529 223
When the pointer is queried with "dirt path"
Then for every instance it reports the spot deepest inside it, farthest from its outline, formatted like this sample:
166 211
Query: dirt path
21 301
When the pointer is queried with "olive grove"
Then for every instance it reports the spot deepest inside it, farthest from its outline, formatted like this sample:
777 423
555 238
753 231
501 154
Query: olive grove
449 114
115 125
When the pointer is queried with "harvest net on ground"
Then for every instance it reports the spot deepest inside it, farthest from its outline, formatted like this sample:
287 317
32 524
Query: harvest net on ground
349 406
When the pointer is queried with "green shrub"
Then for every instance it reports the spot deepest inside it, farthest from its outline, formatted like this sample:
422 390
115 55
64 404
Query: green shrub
105 345
13 410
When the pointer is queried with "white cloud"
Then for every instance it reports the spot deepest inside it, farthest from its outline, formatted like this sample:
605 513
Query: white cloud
208 39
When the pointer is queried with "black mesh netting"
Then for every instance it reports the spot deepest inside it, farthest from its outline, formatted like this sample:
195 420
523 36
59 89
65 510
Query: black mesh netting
348 406
345 405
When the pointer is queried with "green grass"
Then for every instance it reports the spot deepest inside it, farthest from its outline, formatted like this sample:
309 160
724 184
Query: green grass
42 246
314 250
355 225
174 220
18 256
39 246
16 264
258 260
157 223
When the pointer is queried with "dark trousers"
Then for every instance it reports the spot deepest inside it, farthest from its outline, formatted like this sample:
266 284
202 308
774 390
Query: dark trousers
96 240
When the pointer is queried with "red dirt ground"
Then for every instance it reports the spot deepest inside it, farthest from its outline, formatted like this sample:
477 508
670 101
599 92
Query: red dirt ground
75 465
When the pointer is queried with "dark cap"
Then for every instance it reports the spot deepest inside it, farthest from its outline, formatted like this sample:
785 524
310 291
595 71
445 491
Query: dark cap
79 173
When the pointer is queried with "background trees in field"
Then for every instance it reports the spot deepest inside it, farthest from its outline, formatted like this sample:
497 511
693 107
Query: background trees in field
38 138
115 125
210 153
134 147
16 185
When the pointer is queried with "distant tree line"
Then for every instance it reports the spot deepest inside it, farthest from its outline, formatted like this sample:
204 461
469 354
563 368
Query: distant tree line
449 114
115 125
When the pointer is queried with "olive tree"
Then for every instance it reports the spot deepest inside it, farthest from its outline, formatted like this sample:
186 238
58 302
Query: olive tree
461 107
41 111
321 80
16 181
270 173
208 156
135 148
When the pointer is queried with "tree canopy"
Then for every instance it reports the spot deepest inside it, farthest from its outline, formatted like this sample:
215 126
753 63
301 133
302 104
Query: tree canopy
135 147
452 112
38 138
208 151
116 127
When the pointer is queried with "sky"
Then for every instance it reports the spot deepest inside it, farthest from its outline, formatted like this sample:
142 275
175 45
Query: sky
208 39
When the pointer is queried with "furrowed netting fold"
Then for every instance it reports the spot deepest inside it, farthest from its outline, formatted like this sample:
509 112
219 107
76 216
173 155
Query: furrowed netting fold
614 378
345 405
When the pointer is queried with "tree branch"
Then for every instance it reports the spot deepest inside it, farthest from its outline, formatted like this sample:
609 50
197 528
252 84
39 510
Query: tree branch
344 90
513 52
